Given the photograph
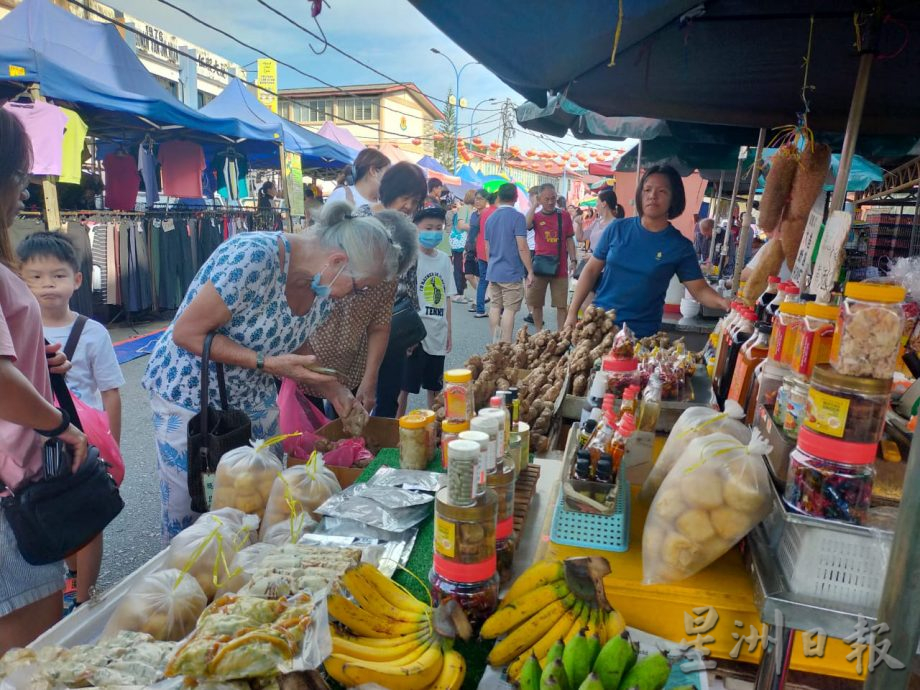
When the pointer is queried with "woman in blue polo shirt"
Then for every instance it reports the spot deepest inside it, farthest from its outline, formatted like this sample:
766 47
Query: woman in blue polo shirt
636 258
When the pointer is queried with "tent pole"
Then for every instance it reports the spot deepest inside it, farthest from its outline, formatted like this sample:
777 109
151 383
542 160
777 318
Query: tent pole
285 192
639 166
726 240
849 139
715 216
745 234
49 184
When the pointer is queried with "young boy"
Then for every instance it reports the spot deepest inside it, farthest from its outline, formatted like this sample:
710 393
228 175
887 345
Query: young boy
50 268
425 368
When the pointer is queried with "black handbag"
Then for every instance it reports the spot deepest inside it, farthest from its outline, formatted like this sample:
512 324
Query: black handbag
211 433
406 327
54 517
548 266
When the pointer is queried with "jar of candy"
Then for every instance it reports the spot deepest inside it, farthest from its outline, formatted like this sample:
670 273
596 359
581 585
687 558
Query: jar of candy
847 408
502 483
795 407
488 425
450 431
621 374
813 346
868 335
463 472
831 479
458 395
413 441
482 439
432 428
479 600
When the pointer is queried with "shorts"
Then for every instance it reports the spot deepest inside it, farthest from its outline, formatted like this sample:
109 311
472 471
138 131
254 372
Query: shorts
424 371
558 291
470 264
506 295
22 584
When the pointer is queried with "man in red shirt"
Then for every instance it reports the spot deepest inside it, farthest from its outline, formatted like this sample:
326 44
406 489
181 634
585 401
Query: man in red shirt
554 239
481 255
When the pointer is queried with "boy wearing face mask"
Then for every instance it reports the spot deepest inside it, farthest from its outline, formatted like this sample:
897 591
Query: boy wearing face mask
425 366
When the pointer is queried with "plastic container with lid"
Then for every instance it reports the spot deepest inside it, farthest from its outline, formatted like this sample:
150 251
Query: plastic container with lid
433 429
770 375
786 330
816 334
847 408
482 439
502 483
868 335
499 402
450 431
772 309
413 441
797 397
621 374
458 395
488 425
463 472
522 431
498 415
830 479
479 600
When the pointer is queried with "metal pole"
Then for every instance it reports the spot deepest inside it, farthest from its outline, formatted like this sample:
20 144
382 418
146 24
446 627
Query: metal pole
638 166
852 133
457 119
285 192
715 217
745 234
726 240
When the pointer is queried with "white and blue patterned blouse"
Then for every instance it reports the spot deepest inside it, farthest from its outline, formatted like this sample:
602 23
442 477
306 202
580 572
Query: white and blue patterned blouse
247 274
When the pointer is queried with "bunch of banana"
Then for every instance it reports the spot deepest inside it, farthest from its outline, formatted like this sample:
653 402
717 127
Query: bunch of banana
391 638
551 601
581 664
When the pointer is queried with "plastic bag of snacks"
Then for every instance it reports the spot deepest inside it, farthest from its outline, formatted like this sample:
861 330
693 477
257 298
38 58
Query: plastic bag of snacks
289 531
244 564
716 493
692 424
206 549
245 476
165 605
299 489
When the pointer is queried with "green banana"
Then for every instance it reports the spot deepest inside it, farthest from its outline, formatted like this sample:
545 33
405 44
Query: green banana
650 673
615 660
530 674
554 673
550 684
591 682
576 659
555 652
594 648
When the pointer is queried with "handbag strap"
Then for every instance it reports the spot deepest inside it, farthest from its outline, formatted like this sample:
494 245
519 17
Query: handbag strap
64 400
70 347
205 380
559 248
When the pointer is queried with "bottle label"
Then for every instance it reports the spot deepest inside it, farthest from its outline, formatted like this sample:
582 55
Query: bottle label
826 414
776 341
445 537
739 378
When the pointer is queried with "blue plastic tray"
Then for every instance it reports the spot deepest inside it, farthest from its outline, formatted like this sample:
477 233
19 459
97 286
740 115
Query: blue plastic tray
604 532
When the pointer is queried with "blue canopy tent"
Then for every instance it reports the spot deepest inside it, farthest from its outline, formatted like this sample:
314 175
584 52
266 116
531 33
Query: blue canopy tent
470 176
316 151
433 168
90 65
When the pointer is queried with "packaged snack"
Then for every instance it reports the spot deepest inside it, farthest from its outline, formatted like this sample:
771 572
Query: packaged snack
245 476
716 493
624 344
244 564
694 423
299 489
165 605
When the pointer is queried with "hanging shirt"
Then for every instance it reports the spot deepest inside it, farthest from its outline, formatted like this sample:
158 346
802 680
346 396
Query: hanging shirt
72 148
181 165
231 175
45 124
147 165
122 182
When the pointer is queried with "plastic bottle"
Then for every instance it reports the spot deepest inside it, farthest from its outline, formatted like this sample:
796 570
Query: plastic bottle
739 336
604 433
773 307
753 352
728 324
583 465
650 410
766 297
617 446
629 400
499 402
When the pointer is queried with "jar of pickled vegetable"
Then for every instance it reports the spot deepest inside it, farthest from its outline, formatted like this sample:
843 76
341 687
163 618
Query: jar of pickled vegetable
479 600
450 431
458 395
413 441
813 346
868 336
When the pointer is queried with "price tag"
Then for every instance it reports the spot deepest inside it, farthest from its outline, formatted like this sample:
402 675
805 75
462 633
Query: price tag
827 265
208 479
807 247
169 225
17 71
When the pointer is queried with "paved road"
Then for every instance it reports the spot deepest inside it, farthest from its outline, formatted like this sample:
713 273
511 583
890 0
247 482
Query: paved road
134 536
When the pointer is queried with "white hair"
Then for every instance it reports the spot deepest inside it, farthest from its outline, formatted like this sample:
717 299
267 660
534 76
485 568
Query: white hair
365 240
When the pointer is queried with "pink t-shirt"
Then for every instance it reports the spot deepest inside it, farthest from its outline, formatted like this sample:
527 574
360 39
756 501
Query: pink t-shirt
182 163
22 341
45 124
121 181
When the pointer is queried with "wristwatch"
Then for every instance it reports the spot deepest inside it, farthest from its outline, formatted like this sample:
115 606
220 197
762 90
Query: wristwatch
260 361
59 429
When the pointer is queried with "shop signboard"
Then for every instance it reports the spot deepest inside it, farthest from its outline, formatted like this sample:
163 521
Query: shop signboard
267 79
293 182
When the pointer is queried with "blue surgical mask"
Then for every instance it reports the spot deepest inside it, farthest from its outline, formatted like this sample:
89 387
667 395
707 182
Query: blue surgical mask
430 238
318 288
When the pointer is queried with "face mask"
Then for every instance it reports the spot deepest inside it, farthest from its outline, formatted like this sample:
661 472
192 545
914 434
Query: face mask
430 238
318 288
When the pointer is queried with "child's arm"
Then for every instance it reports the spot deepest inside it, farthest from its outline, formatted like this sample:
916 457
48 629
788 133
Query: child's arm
449 334
111 403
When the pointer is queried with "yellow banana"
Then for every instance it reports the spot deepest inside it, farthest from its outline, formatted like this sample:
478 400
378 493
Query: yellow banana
362 622
452 672
615 624
528 633
388 654
579 623
515 613
371 600
406 658
592 622
537 575
541 648
389 590
416 675
383 642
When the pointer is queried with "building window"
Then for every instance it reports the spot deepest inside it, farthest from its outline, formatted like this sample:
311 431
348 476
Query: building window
310 110
358 109
168 84
204 98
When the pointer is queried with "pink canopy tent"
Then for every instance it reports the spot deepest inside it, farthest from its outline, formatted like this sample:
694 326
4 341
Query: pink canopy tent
397 155
330 130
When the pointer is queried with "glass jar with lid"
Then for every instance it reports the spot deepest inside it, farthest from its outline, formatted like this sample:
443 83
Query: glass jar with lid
450 431
482 439
463 472
813 346
498 414
830 479
795 406
848 408
413 441
488 425
502 483
433 429
868 335
458 395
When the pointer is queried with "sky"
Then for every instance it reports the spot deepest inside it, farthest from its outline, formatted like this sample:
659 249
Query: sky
391 35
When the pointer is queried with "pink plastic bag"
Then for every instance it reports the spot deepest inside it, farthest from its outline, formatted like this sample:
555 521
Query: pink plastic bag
347 453
297 414
96 427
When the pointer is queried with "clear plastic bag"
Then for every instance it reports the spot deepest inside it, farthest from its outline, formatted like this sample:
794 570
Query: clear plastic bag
165 605
244 564
299 489
289 531
245 476
716 493
692 424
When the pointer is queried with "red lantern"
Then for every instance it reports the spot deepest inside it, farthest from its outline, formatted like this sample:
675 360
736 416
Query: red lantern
416 141
566 156
573 165
530 153
582 157
493 146
477 141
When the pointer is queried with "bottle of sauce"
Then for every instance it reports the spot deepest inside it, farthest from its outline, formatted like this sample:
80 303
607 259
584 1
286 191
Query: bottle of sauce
753 352
497 402
766 297
583 465
617 446
604 434
629 400
728 326
740 335
773 307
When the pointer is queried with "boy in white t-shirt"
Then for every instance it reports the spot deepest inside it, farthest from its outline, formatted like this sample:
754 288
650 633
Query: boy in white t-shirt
425 366
50 268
